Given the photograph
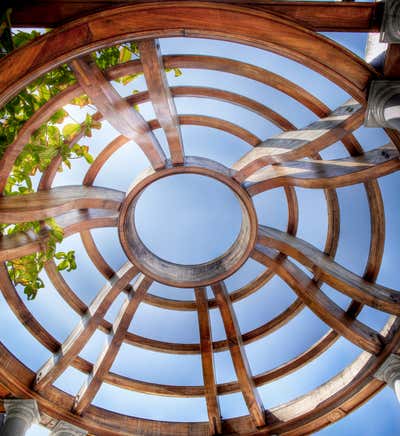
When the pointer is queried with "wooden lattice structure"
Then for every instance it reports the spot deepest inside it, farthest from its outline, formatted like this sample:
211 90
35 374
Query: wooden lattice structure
288 160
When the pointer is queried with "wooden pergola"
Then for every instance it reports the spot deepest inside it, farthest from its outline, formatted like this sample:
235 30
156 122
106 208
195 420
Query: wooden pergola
288 160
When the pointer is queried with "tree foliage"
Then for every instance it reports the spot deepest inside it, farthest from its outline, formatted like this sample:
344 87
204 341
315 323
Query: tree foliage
54 138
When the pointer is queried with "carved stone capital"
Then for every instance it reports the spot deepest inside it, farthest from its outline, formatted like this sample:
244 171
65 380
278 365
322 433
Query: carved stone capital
390 28
380 94
66 429
389 372
27 410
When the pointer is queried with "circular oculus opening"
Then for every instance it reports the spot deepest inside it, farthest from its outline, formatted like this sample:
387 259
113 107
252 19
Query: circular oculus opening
188 218
146 227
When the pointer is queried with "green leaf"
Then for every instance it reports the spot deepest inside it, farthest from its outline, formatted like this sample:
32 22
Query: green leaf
125 55
70 130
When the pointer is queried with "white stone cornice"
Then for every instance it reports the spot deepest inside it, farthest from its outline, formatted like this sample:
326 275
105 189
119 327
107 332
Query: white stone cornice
380 93
389 372
390 28
66 429
26 410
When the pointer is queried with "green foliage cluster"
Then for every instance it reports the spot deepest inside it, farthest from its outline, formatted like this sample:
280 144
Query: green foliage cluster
53 138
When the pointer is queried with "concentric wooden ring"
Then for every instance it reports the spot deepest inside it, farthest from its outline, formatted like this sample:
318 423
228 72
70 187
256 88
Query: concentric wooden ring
188 276
303 415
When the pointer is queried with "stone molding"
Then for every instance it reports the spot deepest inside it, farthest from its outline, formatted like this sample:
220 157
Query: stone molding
389 372
66 429
22 409
380 92
390 28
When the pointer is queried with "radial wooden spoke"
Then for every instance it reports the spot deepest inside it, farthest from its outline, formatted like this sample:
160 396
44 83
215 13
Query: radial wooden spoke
117 111
24 243
45 204
161 98
312 173
303 142
329 271
328 311
107 357
239 358
207 360
57 364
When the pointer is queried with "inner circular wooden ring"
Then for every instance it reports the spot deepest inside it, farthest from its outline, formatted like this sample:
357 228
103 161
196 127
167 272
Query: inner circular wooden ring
188 276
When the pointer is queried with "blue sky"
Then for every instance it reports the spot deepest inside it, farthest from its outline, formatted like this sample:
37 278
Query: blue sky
205 219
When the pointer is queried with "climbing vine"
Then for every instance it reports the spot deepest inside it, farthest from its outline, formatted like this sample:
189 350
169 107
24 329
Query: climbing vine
54 138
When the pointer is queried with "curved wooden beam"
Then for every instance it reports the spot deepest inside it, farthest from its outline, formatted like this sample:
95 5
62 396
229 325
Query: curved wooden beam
225 388
57 364
161 98
321 17
50 172
95 256
24 243
207 360
208 20
240 363
116 110
62 287
44 204
313 173
233 98
102 158
249 71
104 362
303 142
332 273
328 311
216 123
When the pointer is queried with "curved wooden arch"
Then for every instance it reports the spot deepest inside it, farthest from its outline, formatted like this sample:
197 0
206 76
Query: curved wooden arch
200 19
306 46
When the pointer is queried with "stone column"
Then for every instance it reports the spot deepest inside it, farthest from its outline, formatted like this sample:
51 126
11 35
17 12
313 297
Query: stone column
375 51
66 429
389 372
383 108
20 415
390 28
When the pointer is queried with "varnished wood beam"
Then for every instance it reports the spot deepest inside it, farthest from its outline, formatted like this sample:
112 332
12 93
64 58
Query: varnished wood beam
238 354
331 272
327 16
44 204
116 337
328 311
24 243
58 363
116 110
303 142
313 173
161 98
391 68
216 123
207 360
249 71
